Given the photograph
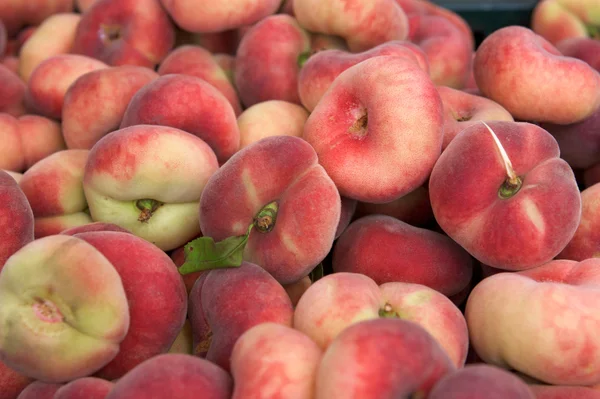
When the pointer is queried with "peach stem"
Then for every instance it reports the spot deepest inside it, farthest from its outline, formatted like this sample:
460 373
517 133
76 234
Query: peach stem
513 182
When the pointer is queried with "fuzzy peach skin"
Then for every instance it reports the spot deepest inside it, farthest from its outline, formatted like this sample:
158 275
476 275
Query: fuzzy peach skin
27 140
125 32
252 296
558 344
17 14
12 383
586 241
176 100
51 79
413 208
40 138
148 180
110 90
584 48
579 142
15 175
199 62
381 358
556 20
271 118
335 302
297 289
63 310
387 250
11 151
94 226
227 63
510 66
54 36
425 7
267 60
363 24
347 213
321 69
271 360
84 388
155 292
54 188
462 109
174 375
218 17
39 390
378 129
284 170
563 392
511 227
447 48
481 381
12 92
16 218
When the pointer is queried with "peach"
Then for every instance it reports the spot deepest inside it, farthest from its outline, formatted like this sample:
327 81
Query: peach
556 20
174 375
51 79
510 65
12 92
83 5
110 90
274 197
271 359
579 142
84 388
184 342
413 208
40 138
39 390
584 48
321 69
271 118
225 303
3 39
462 110
148 180
267 60
426 7
54 36
174 100
558 344
363 24
12 383
63 310
16 218
348 210
155 293
321 41
15 175
381 358
501 192
218 17
199 62
54 188
387 249
448 49
563 392
94 226
335 302
11 62
297 289
17 14
125 32
227 63
11 152
586 241
481 381
378 129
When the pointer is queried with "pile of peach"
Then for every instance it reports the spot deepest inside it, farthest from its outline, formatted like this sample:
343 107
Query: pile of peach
341 199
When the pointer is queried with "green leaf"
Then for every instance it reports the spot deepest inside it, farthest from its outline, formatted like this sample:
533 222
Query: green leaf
204 253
